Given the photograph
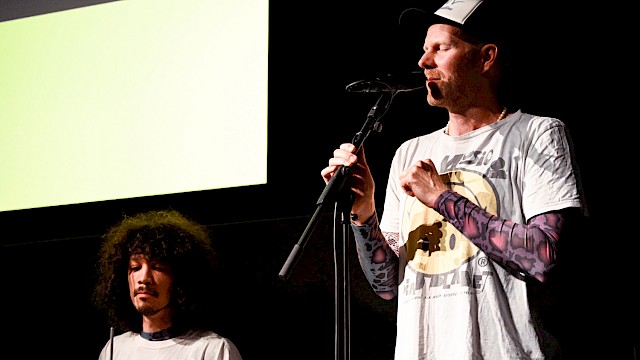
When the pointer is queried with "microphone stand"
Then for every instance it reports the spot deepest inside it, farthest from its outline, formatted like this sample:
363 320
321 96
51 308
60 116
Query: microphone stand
335 193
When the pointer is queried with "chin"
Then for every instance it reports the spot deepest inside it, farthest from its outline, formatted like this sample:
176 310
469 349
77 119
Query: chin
434 101
147 310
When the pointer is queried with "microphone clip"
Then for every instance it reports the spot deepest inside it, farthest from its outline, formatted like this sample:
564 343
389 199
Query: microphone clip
390 83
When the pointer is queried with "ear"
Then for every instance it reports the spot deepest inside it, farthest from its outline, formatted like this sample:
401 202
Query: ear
489 56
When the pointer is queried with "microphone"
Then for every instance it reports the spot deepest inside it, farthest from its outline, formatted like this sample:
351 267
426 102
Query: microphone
390 83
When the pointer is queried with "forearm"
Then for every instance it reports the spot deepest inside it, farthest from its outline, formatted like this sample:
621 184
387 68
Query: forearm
529 248
377 259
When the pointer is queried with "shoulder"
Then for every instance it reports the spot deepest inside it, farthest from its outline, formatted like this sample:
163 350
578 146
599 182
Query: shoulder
214 342
410 145
536 129
205 335
126 336
536 122
121 340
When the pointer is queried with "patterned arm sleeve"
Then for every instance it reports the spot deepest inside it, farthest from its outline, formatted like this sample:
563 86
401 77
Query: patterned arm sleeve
529 248
378 260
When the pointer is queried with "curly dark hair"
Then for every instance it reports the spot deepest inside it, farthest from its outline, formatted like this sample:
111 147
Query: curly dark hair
166 236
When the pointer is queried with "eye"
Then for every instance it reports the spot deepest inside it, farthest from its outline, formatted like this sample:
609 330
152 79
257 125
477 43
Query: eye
134 267
160 267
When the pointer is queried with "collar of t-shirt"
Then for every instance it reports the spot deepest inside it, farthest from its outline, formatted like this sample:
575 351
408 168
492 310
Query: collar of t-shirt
165 334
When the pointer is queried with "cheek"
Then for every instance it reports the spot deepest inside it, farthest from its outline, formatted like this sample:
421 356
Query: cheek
162 280
131 289
164 288
164 283
132 282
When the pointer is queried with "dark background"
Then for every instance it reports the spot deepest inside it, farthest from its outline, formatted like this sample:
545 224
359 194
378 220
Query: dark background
316 49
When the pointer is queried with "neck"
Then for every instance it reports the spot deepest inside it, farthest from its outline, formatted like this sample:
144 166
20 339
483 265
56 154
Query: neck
460 124
157 322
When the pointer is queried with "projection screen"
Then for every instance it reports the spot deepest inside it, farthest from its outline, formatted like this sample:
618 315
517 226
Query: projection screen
132 98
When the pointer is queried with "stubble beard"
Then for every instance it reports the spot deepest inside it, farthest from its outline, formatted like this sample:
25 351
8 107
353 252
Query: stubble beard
145 310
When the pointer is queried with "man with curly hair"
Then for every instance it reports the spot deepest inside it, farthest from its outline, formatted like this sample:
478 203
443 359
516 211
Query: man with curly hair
155 272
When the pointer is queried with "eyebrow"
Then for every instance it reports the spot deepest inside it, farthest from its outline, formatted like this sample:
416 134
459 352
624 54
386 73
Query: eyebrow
138 257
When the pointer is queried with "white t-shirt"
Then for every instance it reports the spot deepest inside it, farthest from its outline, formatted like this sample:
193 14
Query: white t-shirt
453 301
194 345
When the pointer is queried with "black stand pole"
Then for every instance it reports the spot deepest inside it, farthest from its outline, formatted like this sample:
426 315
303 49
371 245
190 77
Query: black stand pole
342 280
335 194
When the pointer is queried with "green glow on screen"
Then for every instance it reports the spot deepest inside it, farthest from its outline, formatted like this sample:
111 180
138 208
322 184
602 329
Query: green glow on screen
132 98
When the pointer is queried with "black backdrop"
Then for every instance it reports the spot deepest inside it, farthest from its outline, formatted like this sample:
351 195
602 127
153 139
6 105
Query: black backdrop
48 255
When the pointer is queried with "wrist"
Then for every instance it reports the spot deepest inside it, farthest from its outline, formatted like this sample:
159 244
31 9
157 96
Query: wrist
359 220
362 212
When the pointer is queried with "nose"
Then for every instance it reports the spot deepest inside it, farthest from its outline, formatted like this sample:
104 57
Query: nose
426 61
144 275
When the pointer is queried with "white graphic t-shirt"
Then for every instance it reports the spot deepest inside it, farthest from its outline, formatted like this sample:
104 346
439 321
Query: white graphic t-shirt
453 301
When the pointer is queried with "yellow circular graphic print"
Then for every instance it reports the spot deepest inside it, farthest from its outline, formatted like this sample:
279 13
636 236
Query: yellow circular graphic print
433 245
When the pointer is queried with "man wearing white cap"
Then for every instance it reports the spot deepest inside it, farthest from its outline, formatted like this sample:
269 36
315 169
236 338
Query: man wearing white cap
475 212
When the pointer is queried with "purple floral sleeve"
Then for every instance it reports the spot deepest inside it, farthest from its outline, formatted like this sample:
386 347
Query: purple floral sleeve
529 248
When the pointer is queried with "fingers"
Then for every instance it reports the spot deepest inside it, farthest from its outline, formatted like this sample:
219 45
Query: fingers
428 163
415 174
343 156
422 180
348 147
327 173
